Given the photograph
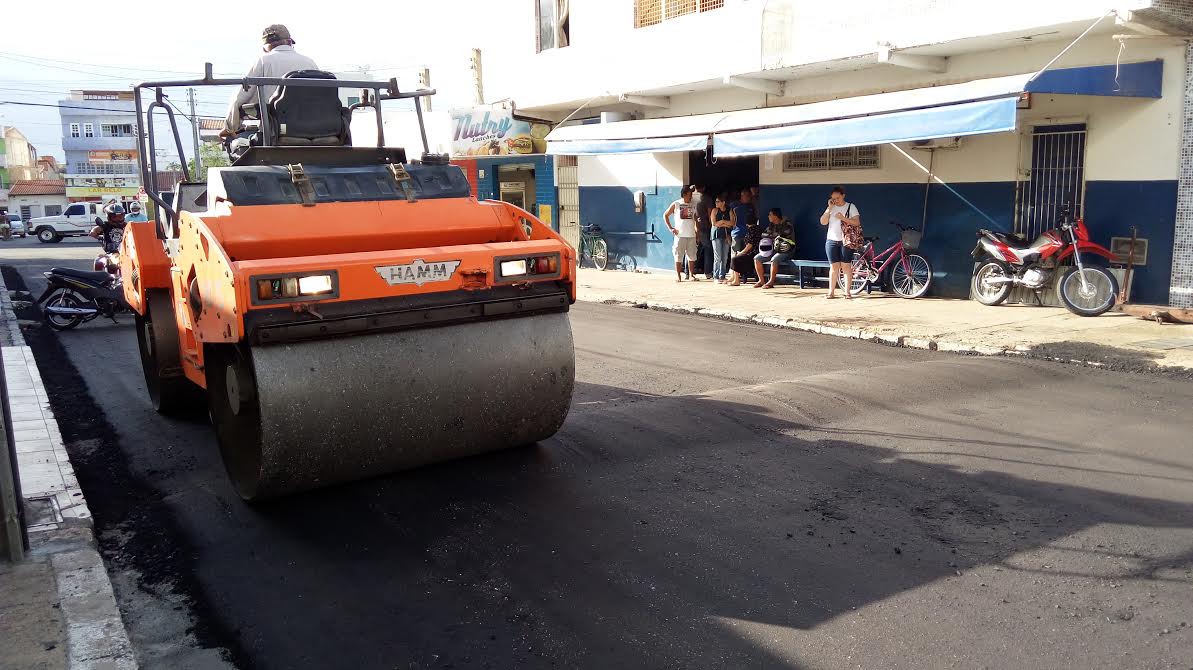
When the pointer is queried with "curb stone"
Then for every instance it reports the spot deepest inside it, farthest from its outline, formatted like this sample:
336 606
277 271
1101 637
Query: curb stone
905 341
95 632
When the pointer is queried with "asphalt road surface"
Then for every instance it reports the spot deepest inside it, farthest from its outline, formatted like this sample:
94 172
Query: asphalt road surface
721 496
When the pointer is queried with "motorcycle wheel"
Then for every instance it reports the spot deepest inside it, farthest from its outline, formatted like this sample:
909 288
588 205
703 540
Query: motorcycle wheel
62 299
1092 301
991 294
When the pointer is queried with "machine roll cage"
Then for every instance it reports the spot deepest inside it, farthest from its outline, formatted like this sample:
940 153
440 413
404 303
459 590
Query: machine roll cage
149 169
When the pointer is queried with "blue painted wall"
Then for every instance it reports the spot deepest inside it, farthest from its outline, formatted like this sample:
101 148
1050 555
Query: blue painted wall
612 208
1111 208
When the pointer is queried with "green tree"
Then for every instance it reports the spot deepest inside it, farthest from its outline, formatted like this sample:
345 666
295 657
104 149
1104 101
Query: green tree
213 155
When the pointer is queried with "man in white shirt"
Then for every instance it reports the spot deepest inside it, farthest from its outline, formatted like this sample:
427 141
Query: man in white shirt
684 231
279 59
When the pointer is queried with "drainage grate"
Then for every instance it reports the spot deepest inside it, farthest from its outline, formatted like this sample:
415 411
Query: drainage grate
41 511
1164 345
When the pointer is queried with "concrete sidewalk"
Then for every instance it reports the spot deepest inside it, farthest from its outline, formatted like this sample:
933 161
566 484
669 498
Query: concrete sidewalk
57 608
1113 339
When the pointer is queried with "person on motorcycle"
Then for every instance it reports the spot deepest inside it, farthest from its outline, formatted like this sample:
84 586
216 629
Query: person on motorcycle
279 59
110 231
135 213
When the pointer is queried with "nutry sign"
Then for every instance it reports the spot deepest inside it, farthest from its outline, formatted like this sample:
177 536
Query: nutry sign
495 131
418 272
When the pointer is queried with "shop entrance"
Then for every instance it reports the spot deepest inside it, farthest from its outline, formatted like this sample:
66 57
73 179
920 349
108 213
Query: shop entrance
516 185
722 175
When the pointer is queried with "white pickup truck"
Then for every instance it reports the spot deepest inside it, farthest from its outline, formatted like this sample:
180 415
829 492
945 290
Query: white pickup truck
76 220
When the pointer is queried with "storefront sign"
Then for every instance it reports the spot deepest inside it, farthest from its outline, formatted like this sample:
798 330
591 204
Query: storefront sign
494 131
112 156
99 191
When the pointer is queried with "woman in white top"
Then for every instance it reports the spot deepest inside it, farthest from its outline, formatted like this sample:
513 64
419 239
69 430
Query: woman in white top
839 213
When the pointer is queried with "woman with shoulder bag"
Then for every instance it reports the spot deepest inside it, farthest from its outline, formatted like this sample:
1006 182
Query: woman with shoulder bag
844 234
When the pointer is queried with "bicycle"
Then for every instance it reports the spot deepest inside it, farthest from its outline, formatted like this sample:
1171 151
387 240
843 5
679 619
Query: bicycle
593 247
910 274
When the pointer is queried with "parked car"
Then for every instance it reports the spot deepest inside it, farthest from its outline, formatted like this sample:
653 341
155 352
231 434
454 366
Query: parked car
75 221
16 225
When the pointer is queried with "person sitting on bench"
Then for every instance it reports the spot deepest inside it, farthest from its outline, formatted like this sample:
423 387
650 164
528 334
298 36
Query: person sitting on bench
783 235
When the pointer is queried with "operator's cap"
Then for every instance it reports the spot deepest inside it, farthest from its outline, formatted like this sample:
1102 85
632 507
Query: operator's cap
275 33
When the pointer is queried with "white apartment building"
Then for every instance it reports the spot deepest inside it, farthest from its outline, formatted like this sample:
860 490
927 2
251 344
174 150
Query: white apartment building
796 97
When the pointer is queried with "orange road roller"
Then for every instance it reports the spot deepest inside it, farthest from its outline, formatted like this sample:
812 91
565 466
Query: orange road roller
344 312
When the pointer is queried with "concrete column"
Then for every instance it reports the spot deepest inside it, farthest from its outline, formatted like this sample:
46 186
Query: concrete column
1181 289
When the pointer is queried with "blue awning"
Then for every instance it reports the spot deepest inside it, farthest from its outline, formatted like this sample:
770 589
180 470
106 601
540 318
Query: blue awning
971 108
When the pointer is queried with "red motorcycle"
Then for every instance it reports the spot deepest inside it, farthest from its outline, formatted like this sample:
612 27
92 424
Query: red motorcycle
1087 290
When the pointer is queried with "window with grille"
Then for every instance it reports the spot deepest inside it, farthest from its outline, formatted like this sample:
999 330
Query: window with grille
844 158
88 130
654 12
53 210
74 130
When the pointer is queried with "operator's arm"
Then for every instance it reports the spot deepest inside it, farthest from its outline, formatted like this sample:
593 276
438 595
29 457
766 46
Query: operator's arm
243 97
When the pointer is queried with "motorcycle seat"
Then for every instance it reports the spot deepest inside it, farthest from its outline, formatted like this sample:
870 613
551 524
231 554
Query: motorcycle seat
1014 238
97 278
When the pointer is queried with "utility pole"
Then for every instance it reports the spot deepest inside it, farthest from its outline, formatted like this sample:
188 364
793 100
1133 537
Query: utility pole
424 81
190 94
477 79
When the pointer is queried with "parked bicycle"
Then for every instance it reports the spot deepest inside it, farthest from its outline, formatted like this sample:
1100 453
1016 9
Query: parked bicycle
910 274
593 247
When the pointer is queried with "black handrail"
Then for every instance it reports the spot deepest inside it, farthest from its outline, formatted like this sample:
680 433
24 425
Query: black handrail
149 165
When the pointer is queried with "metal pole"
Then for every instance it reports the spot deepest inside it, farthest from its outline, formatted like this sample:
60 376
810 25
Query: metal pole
190 94
13 537
477 78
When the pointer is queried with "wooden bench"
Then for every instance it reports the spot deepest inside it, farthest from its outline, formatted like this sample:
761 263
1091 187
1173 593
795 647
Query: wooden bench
799 266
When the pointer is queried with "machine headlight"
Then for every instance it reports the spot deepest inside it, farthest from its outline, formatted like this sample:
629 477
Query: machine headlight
314 285
294 287
513 268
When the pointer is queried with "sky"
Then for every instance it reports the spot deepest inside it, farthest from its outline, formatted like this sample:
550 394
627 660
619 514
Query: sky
76 46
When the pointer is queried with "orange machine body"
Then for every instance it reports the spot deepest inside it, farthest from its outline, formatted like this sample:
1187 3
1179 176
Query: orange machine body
389 261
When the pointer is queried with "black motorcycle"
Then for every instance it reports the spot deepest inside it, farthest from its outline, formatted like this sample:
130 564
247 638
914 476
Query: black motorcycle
78 296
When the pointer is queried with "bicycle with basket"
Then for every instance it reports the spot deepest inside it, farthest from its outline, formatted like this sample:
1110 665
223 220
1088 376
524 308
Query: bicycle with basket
906 274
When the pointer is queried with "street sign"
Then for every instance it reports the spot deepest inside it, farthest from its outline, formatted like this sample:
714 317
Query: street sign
142 196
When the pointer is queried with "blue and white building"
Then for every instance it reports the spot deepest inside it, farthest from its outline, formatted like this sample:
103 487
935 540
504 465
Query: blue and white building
100 137
948 115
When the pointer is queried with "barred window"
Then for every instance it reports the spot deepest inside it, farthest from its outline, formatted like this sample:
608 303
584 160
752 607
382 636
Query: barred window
654 12
845 158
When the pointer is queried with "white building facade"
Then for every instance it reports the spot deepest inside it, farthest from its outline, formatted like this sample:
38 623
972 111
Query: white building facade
100 137
18 161
1108 126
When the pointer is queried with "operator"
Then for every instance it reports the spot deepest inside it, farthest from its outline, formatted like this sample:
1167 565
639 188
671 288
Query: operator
279 59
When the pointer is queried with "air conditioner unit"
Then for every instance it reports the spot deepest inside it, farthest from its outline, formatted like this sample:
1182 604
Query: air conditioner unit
939 143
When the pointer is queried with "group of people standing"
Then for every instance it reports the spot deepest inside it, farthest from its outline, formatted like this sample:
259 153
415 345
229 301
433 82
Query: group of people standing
724 235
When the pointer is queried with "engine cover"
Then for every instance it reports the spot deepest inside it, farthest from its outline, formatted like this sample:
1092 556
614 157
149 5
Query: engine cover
1035 278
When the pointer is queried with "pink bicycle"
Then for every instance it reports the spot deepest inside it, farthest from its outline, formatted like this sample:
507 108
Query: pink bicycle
910 274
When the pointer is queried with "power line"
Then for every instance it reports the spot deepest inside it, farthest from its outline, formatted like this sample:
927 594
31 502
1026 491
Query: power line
98 109
97 65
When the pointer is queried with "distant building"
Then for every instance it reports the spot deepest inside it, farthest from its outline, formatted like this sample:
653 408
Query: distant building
37 197
100 136
48 168
18 160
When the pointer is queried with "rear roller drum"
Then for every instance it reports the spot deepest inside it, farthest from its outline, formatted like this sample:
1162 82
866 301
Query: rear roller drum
292 417
170 392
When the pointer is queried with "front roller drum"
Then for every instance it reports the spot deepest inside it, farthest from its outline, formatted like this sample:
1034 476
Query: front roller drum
293 417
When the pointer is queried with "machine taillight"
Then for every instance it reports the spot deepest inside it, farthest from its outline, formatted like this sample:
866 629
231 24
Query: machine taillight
529 267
